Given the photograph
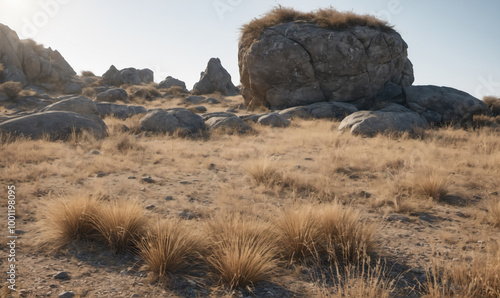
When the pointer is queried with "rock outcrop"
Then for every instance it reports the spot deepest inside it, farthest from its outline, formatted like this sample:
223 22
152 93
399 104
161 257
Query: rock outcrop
112 95
228 125
131 76
301 62
118 111
215 79
170 82
27 62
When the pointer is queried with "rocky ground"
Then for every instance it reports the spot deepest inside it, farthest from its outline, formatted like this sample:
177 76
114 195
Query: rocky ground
195 178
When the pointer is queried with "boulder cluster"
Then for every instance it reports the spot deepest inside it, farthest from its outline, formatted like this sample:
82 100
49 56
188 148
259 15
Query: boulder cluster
319 65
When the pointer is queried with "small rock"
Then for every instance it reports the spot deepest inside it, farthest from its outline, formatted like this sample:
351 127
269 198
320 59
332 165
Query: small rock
211 100
147 180
100 174
134 295
143 189
453 201
169 198
67 294
150 207
231 110
95 152
397 217
61 275
132 177
185 182
418 271
198 109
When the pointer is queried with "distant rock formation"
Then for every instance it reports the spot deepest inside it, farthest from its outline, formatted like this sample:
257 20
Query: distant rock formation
29 63
215 79
130 76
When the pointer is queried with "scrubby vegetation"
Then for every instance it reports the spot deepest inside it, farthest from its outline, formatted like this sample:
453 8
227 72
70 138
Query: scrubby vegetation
327 18
11 89
87 73
493 103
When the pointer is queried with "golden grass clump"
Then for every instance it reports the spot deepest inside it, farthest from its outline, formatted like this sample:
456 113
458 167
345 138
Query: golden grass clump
87 73
120 224
327 18
68 219
242 251
170 246
143 92
11 89
89 92
432 184
327 232
299 232
494 212
264 172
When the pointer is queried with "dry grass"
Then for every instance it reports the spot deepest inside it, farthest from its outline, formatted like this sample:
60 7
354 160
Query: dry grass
493 103
432 184
327 18
68 219
143 92
89 92
11 89
87 73
1 71
327 232
479 278
242 251
494 212
170 246
120 223
175 90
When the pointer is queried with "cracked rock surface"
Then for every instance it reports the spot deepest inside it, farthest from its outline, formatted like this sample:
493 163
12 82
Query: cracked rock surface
300 63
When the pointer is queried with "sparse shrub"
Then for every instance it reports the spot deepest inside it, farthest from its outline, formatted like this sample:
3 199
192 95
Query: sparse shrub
68 219
120 224
87 73
242 251
144 92
11 89
432 185
170 246
37 47
264 172
493 103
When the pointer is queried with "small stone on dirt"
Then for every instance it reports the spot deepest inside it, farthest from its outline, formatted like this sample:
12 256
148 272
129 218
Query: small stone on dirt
61 275
67 294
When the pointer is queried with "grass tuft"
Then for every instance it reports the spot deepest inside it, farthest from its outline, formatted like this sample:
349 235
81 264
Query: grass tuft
120 224
68 219
432 185
494 212
242 251
11 89
493 103
170 246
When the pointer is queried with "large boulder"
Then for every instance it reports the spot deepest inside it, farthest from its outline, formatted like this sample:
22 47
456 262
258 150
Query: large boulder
323 56
320 110
444 105
130 76
56 125
392 119
273 120
27 62
215 79
172 120
119 111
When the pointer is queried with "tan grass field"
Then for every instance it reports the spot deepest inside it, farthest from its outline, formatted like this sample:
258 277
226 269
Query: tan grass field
305 211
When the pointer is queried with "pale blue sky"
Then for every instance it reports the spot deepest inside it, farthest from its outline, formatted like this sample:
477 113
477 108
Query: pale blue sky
451 43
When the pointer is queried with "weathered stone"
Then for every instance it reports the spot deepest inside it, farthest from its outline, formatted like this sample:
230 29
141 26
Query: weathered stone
172 120
215 79
231 125
112 95
393 118
130 76
119 111
172 82
273 120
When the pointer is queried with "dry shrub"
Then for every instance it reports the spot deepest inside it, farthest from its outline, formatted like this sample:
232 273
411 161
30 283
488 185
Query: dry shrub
242 251
11 89
170 246
432 184
494 212
493 103
68 219
37 47
328 232
326 18
120 224
87 73
143 92
264 172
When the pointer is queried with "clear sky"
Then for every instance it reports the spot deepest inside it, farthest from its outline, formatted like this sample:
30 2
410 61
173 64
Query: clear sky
451 42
